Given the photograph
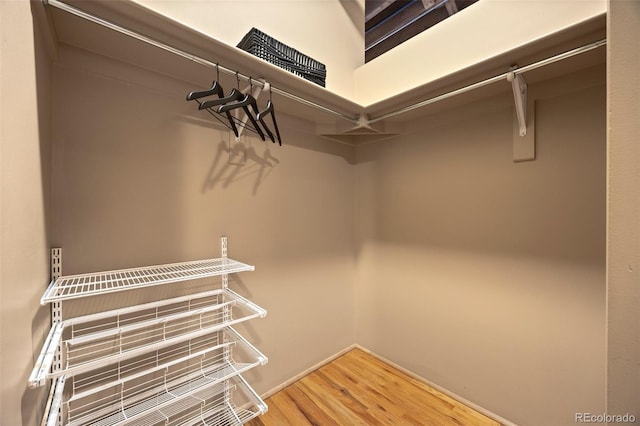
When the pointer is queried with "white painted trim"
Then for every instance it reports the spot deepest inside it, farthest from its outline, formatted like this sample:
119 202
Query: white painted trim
306 372
410 373
447 392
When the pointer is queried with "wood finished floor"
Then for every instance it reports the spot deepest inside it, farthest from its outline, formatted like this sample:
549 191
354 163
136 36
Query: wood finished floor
359 389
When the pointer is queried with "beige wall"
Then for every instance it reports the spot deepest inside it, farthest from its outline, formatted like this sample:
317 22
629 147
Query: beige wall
142 177
25 122
331 32
623 239
485 276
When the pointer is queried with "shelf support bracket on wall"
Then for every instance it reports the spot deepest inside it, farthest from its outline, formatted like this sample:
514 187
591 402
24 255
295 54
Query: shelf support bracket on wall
255 93
50 359
524 148
519 87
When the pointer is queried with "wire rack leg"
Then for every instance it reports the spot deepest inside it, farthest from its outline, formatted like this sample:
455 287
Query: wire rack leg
227 317
225 277
56 317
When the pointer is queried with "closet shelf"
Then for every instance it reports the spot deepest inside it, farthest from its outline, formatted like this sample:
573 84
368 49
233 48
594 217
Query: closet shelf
168 389
215 400
209 352
228 402
244 405
82 285
97 340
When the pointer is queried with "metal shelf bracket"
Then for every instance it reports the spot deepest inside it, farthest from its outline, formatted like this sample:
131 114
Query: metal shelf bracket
519 87
524 140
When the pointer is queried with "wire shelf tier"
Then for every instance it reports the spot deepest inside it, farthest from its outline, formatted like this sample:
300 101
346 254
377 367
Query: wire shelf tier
92 382
158 408
105 346
219 401
167 390
82 285
164 327
203 351
243 405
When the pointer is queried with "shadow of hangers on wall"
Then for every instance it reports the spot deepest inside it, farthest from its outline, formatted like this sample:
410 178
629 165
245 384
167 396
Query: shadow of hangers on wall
224 173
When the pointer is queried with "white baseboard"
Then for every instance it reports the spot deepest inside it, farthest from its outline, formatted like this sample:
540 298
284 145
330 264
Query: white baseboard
306 372
410 373
447 392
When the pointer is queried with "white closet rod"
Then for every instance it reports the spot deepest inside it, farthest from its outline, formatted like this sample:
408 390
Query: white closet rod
355 120
491 80
85 15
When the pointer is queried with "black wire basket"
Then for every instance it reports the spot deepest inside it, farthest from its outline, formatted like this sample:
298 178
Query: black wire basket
271 50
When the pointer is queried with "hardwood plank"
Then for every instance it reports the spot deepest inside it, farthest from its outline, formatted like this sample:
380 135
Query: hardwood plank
275 416
395 385
289 409
339 409
314 414
379 407
436 400
359 389
407 401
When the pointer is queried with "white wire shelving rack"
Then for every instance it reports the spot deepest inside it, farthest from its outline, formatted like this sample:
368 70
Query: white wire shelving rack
75 286
174 361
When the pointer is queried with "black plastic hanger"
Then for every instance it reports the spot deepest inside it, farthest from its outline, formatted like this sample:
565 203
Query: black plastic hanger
244 103
233 96
215 89
265 127
269 110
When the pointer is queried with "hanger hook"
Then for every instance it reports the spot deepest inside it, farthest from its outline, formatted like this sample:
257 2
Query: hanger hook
266 86
237 80
250 84
217 72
